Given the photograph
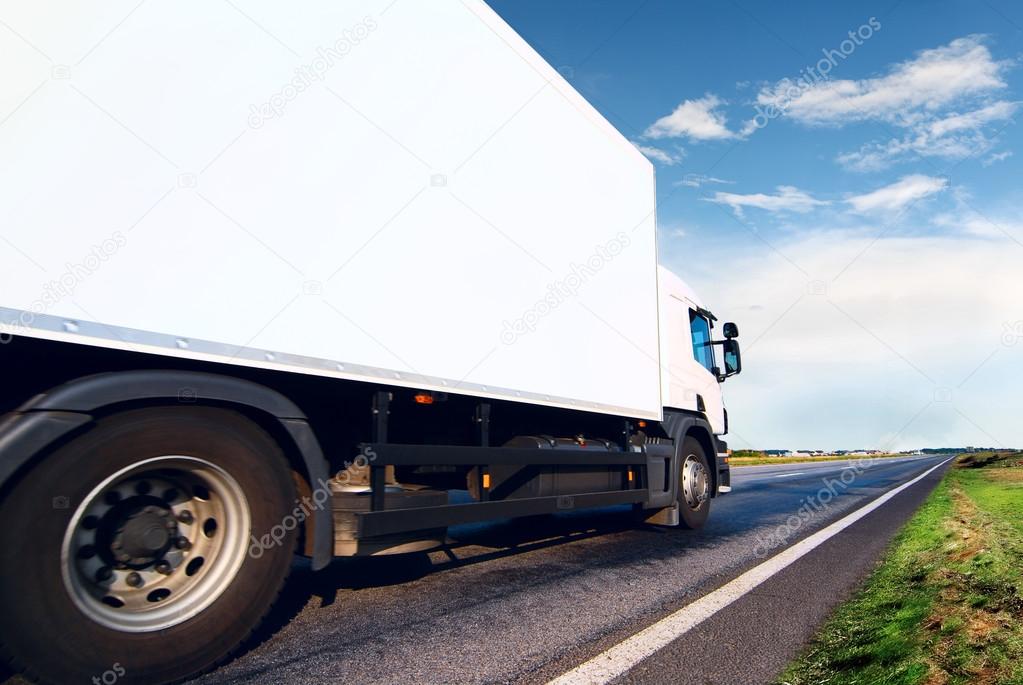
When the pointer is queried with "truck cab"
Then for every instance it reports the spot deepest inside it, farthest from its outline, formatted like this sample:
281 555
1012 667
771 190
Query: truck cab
692 368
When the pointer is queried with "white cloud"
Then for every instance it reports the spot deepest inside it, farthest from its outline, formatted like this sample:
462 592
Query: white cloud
843 357
891 198
880 156
663 156
676 232
694 119
898 195
945 99
872 157
956 136
999 111
966 220
697 180
910 92
997 157
749 127
973 224
787 199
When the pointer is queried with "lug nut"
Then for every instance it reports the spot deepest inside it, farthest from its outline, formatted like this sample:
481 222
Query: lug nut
134 579
186 517
164 568
104 574
182 543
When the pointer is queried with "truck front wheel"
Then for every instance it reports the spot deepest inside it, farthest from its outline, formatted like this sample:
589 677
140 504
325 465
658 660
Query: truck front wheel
136 548
694 484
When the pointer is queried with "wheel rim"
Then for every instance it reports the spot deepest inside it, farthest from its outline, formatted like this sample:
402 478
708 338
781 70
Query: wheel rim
155 543
695 483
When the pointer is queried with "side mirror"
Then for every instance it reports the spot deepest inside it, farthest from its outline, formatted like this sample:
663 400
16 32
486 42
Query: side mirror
730 330
733 360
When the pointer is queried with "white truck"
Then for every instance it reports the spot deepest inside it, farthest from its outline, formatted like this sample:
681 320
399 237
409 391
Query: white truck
276 280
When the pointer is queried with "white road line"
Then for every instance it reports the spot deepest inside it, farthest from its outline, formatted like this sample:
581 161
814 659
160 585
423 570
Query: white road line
789 475
619 659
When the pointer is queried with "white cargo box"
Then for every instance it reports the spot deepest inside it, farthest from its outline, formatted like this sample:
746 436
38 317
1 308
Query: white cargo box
397 192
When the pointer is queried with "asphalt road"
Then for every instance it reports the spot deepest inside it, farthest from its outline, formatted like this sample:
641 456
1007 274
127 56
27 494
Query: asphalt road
525 601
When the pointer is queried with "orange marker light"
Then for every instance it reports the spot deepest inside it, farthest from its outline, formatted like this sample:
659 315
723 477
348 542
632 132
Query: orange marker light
486 481
631 476
642 424
424 398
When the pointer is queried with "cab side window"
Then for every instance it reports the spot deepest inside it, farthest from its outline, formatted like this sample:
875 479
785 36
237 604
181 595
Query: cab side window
703 350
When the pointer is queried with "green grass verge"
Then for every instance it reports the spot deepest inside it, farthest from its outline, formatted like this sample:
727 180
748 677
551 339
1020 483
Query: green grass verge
946 603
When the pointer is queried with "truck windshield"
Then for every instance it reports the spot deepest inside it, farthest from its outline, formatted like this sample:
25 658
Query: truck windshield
703 351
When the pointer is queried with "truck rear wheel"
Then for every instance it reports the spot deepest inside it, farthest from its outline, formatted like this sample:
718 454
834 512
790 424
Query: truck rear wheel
694 484
132 550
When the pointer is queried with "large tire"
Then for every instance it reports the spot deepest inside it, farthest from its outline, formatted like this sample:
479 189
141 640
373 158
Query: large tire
694 484
123 486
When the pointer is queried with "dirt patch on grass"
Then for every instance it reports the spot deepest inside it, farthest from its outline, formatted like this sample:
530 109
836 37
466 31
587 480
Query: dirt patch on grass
983 460
968 536
1007 475
935 676
981 627
972 615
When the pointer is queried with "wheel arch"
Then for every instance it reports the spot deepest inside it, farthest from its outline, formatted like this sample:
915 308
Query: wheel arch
51 418
679 425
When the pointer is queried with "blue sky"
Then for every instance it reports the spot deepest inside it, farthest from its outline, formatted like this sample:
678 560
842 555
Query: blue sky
864 230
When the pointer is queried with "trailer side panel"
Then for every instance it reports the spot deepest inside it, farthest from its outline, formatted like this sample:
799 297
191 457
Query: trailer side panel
398 192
